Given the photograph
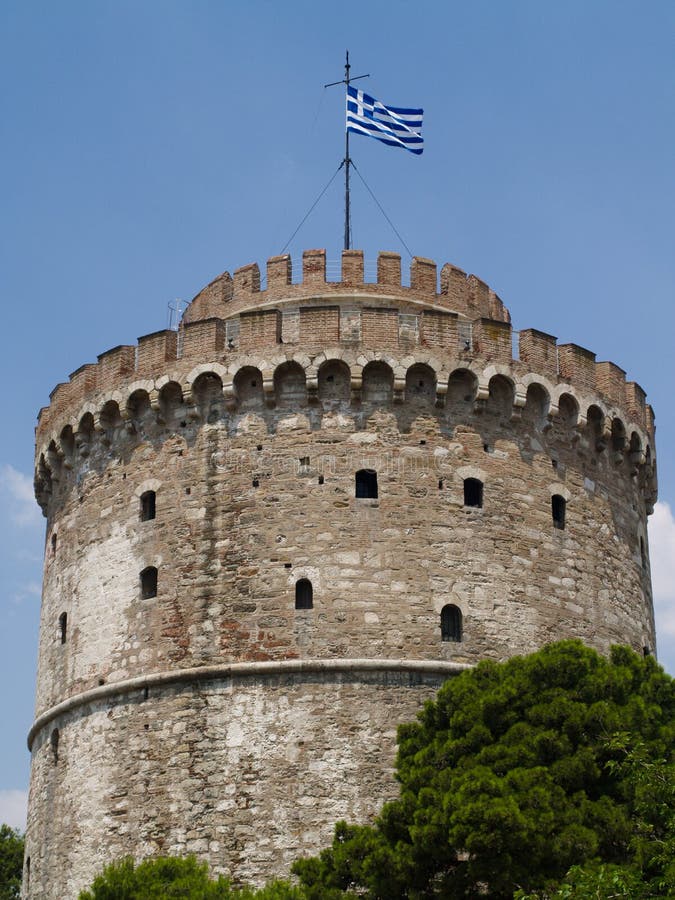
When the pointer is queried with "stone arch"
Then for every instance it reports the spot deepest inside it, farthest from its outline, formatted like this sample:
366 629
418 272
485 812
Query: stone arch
635 447
290 384
568 409
377 383
462 392
85 434
334 380
54 459
67 441
248 387
618 439
595 426
501 397
138 405
420 385
212 368
557 487
110 417
537 405
207 395
170 399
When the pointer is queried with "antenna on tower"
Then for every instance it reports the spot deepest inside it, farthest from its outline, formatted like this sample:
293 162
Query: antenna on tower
347 161
175 310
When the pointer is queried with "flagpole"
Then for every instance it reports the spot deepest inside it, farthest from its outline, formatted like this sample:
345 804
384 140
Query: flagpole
347 160
348 229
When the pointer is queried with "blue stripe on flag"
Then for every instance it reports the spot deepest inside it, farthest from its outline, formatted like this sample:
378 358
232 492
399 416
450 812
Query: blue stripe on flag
393 125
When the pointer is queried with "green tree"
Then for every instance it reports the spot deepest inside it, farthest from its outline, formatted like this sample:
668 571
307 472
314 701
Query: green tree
650 871
11 862
168 877
509 779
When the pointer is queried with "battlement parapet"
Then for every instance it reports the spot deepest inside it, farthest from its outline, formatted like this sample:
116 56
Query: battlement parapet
463 294
464 327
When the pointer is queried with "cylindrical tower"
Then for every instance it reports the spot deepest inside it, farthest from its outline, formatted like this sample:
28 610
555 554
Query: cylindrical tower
273 533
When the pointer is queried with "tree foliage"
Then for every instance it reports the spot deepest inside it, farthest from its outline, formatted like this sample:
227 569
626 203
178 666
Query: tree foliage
166 877
510 778
11 862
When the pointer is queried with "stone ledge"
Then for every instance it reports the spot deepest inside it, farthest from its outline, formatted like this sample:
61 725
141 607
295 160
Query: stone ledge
244 670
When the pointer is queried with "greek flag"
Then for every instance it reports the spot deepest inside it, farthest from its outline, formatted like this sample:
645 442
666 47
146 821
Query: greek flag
389 124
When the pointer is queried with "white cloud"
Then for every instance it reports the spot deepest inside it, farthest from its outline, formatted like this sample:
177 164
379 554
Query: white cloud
29 590
662 557
13 805
23 509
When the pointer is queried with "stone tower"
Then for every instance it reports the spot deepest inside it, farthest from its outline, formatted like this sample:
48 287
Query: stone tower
272 533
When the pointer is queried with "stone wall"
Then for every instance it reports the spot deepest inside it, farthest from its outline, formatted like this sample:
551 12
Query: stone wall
248 772
209 713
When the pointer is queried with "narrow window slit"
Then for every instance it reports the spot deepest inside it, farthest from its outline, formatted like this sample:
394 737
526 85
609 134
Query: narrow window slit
148 509
63 627
558 509
304 594
149 583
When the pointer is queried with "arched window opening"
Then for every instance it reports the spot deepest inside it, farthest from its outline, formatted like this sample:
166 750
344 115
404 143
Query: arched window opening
290 385
366 484
451 623
643 554
63 626
148 510
304 594
207 393
473 492
646 652
27 875
462 387
334 381
54 744
377 382
558 507
149 583
54 539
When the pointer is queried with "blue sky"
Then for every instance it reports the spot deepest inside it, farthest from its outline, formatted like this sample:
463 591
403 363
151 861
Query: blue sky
149 145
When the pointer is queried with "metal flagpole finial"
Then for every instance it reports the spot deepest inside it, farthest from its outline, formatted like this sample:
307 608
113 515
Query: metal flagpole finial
347 161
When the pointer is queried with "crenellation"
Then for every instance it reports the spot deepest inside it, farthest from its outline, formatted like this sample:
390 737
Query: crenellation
610 380
423 277
155 351
478 297
246 281
377 441
636 400
577 365
496 308
212 300
454 286
313 267
492 339
352 267
539 351
389 269
279 274
204 338
115 364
